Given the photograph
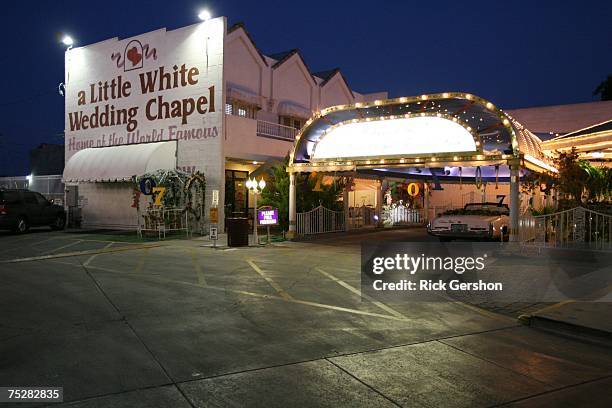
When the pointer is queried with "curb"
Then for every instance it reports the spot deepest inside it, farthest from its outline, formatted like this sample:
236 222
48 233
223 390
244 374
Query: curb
574 331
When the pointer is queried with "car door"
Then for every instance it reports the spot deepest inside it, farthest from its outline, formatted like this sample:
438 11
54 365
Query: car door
32 208
47 210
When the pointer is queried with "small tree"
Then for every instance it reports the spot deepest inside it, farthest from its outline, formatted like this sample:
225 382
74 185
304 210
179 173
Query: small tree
571 178
576 180
276 193
599 182
604 89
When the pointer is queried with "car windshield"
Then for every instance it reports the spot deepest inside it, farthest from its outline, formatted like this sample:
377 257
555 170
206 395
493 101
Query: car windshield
480 209
9 197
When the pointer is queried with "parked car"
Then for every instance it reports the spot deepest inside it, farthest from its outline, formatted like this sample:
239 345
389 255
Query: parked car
22 209
488 221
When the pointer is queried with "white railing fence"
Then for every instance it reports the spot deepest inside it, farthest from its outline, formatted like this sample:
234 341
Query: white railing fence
402 215
276 130
576 228
161 221
50 186
319 220
527 228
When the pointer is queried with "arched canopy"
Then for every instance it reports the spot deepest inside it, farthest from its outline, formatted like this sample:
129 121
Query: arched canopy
436 130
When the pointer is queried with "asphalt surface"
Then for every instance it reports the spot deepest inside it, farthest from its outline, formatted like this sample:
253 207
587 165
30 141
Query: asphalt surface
179 324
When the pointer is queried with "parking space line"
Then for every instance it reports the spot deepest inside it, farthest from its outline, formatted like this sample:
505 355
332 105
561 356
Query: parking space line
141 260
275 285
358 292
78 241
91 258
196 267
54 238
243 292
78 253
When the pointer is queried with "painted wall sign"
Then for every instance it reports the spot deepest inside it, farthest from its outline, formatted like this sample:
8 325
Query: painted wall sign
164 85
158 86
267 216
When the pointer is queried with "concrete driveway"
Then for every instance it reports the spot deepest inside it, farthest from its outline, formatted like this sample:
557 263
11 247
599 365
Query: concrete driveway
179 324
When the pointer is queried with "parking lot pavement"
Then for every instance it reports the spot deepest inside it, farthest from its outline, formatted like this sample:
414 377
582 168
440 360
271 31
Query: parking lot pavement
179 324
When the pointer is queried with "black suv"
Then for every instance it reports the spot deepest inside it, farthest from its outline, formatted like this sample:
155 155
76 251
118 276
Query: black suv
22 209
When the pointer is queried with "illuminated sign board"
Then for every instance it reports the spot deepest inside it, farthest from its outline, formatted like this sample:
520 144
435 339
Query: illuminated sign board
419 135
267 216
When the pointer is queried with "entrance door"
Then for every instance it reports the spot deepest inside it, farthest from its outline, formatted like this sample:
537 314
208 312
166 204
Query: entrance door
236 194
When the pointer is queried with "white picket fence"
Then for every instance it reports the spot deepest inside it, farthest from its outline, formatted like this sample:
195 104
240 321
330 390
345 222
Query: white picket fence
319 220
402 215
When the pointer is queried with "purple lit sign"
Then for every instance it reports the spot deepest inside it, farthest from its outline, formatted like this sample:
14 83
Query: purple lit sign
267 216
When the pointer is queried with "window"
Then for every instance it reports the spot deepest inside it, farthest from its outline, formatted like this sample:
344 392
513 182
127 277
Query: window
41 199
30 198
290 121
9 197
241 109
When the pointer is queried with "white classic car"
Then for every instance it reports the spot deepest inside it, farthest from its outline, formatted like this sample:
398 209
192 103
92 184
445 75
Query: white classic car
475 220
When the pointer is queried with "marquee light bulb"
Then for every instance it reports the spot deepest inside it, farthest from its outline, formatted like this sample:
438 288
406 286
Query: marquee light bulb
204 15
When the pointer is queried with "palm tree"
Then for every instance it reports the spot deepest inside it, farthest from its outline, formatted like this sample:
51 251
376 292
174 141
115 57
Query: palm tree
604 89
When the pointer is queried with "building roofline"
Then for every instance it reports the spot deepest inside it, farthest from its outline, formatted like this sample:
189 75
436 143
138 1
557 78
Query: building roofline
240 25
330 75
556 106
287 56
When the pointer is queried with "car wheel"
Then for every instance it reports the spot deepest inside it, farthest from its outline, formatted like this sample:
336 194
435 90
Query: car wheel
22 225
59 223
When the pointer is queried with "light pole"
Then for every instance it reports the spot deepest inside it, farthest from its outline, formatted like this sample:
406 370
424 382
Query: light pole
256 188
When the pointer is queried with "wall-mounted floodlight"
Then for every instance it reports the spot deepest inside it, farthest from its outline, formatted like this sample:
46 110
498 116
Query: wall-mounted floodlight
204 15
67 40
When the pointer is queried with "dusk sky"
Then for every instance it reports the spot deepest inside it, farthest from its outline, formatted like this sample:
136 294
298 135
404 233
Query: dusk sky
514 53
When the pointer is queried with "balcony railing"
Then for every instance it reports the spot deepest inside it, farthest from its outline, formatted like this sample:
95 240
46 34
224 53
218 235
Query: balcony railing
276 131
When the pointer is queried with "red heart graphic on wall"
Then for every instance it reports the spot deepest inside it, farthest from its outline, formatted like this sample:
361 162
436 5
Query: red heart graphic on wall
134 56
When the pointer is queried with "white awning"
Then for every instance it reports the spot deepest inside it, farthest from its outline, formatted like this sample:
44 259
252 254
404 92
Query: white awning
120 163
286 108
236 92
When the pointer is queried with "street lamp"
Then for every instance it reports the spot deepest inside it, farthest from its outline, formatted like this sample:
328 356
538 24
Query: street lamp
68 41
256 188
204 15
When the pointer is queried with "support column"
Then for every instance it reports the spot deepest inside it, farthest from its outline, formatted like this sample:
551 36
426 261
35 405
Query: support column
345 202
379 201
292 205
426 200
514 200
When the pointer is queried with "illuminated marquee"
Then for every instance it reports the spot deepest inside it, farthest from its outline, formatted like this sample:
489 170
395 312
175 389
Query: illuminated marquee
417 135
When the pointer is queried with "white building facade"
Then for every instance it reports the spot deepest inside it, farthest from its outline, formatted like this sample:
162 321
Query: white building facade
202 98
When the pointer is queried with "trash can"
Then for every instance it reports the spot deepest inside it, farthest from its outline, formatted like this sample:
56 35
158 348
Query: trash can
237 232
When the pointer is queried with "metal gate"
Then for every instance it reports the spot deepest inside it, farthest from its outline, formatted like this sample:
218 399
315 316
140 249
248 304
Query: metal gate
319 221
578 227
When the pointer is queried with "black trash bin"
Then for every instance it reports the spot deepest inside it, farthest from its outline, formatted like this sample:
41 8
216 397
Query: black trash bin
237 232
